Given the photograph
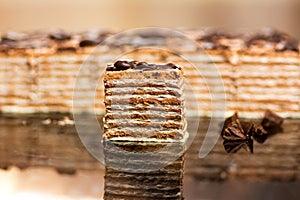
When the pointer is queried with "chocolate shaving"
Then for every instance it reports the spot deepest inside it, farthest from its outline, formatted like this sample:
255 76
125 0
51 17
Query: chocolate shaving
247 128
232 129
234 146
240 134
259 133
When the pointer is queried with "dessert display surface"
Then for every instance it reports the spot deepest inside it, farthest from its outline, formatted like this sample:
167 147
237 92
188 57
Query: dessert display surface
273 166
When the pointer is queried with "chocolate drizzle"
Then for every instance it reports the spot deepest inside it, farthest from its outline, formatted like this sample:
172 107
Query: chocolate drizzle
124 65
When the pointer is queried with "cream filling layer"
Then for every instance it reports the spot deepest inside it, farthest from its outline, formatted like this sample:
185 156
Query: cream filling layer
132 90
141 83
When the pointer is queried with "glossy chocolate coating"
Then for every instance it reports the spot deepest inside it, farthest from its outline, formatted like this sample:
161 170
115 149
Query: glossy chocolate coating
124 65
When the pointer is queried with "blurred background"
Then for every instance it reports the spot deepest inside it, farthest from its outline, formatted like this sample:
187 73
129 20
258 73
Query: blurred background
84 14
24 15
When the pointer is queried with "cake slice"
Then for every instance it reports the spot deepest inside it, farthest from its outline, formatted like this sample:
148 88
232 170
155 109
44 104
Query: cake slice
144 101
259 69
248 72
144 131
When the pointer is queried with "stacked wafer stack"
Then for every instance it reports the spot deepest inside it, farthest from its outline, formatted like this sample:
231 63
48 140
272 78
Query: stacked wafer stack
249 72
260 70
144 131
36 68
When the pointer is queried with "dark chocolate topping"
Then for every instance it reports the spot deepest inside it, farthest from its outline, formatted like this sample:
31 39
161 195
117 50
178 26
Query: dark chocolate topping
124 65
88 43
210 40
60 36
145 66
66 49
58 40
280 40
93 38
215 36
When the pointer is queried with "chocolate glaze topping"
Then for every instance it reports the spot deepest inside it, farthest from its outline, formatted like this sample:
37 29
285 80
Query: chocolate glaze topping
58 40
124 65
60 36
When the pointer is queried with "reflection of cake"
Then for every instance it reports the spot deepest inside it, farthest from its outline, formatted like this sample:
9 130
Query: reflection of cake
259 70
144 131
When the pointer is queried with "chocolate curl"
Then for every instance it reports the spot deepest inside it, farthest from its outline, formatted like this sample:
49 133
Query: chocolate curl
234 146
232 129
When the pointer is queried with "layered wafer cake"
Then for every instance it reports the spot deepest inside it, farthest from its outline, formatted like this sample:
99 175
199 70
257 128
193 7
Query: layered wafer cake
260 70
144 130
38 70
248 71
